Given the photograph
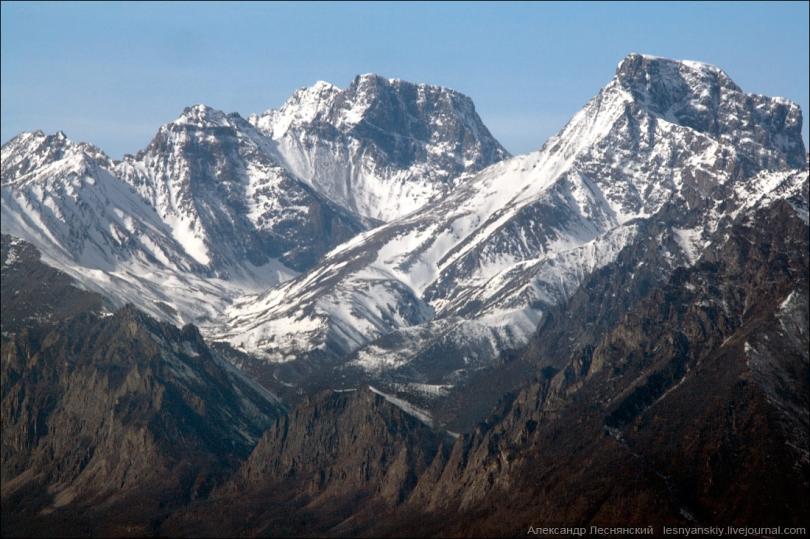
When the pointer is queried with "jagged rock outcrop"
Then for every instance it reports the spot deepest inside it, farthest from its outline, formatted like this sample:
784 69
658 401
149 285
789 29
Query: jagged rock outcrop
109 419
382 147
692 408
353 441
327 467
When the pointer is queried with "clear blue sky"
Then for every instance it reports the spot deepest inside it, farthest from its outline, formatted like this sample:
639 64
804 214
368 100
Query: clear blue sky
111 73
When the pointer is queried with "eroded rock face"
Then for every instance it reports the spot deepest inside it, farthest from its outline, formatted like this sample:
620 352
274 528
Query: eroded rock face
666 382
334 462
113 415
336 443
673 416
381 147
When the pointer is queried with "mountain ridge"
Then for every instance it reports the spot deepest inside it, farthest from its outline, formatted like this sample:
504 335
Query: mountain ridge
609 331
471 275
206 212
430 134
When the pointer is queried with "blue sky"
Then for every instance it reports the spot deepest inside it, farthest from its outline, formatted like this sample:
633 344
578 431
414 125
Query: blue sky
111 73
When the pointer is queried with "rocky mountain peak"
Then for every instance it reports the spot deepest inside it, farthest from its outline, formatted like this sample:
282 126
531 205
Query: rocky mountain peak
303 107
375 86
219 183
204 116
320 90
36 142
374 95
640 69
381 147
765 130
371 79
192 124
30 151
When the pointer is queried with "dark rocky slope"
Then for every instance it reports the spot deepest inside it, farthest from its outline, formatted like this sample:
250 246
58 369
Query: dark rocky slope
329 467
110 420
692 409
34 293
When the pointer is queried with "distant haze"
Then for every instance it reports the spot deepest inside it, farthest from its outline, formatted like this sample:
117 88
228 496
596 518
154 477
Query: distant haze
111 74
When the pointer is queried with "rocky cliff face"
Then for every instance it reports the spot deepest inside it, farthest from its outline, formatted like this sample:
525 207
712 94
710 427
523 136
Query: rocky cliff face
110 418
382 147
338 442
633 297
336 459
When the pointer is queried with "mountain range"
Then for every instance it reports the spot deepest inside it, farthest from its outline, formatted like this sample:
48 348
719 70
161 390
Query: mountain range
392 326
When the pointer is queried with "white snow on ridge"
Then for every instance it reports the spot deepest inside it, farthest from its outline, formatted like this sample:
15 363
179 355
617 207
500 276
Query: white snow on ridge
98 229
471 256
326 137
406 407
519 234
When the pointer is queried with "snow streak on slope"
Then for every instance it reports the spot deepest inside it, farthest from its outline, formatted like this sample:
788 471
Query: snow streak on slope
382 147
212 208
217 183
63 197
473 270
217 209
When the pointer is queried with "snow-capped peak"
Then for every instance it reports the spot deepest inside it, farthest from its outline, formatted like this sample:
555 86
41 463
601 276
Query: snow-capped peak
202 115
645 75
375 79
650 59
475 269
765 131
303 106
381 147
323 86
31 151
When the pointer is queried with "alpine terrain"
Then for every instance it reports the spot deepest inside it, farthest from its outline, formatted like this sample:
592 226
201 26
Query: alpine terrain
358 315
